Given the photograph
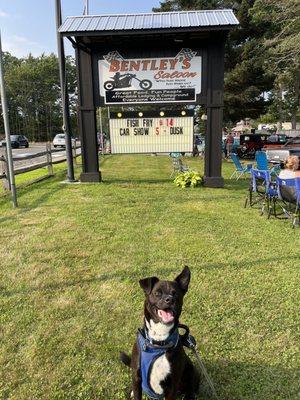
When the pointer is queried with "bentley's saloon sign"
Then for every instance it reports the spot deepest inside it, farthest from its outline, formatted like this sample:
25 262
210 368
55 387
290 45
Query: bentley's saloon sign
153 80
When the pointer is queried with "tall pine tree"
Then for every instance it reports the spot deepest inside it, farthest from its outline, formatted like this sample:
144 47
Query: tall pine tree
246 80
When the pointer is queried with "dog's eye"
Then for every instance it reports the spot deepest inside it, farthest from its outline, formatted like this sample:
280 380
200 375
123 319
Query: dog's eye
173 293
158 293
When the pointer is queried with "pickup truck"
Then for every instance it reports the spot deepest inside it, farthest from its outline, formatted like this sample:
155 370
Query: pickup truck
277 154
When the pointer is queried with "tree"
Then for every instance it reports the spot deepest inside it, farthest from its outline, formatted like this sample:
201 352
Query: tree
33 92
281 44
246 80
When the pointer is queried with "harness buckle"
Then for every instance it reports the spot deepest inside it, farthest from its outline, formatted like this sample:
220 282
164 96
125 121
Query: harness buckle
189 341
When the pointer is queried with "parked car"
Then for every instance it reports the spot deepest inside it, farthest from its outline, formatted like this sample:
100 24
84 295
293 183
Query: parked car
275 140
60 140
250 143
280 153
17 141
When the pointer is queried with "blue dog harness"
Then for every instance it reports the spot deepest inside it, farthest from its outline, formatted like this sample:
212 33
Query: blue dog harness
150 351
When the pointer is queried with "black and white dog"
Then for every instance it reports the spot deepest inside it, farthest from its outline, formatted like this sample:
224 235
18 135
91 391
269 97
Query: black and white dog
160 367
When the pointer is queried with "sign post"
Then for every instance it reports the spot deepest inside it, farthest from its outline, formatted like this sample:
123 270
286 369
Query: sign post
7 132
64 94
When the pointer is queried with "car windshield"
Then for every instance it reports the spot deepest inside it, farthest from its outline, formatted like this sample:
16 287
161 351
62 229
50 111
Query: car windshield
276 138
14 137
60 136
293 141
282 138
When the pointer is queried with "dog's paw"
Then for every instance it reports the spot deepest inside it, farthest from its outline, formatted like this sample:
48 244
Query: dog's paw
131 394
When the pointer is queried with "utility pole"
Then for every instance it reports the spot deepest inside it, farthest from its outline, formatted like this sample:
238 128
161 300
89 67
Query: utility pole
86 7
64 93
7 132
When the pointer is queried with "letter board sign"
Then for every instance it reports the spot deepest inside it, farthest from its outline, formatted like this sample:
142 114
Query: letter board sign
163 134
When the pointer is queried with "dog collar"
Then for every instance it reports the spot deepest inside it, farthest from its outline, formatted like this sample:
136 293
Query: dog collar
169 343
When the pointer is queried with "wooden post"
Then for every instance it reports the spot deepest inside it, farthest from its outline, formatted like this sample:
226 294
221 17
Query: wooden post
87 117
64 93
49 159
74 145
4 170
213 138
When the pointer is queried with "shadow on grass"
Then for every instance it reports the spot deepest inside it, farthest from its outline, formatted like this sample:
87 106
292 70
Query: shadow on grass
47 186
240 381
241 184
137 181
134 276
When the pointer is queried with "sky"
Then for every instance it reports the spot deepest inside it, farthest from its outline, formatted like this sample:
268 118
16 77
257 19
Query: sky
28 26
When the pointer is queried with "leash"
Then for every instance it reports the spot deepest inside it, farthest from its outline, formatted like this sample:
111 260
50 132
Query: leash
190 342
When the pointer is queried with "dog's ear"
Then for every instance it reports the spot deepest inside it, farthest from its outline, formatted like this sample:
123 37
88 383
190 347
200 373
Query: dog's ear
148 283
183 279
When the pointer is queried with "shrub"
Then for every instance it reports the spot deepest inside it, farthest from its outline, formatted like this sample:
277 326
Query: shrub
188 179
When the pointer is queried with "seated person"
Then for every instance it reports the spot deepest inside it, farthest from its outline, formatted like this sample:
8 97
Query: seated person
291 171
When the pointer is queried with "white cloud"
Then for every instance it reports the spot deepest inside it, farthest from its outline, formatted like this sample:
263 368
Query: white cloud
3 14
20 46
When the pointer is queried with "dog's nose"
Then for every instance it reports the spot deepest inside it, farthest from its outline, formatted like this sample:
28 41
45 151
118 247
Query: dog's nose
169 299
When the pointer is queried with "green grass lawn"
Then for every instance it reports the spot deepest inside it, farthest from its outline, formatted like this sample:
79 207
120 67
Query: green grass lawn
71 259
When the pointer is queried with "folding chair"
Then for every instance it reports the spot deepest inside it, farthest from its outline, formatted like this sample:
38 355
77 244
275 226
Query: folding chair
261 191
240 169
297 211
263 164
288 199
178 165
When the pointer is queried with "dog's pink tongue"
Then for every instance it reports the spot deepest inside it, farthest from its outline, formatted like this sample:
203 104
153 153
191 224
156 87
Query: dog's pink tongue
166 316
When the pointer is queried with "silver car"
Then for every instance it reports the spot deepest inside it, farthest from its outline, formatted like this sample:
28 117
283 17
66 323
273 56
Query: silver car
60 140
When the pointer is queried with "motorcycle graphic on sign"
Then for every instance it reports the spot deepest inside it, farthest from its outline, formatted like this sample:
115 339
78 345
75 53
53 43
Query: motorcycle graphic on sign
172 79
120 81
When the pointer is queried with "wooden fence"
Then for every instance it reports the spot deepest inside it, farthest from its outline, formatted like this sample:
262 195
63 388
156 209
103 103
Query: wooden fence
47 162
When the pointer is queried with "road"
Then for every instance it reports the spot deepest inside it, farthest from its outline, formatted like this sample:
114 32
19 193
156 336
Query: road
35 148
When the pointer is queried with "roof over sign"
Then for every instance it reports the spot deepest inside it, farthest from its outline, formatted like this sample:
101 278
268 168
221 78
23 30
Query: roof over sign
151 21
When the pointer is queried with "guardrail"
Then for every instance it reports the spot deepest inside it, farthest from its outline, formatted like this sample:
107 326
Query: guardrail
48 162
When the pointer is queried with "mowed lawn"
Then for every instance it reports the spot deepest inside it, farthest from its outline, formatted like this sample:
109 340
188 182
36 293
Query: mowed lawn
72 256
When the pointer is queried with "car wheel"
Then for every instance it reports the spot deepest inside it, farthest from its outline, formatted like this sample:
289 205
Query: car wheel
26 146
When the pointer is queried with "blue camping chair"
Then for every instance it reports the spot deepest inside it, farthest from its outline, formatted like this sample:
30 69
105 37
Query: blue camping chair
263 164
261 190
297 211
240 169
288 199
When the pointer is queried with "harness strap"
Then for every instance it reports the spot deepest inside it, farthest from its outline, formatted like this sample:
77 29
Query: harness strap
190 342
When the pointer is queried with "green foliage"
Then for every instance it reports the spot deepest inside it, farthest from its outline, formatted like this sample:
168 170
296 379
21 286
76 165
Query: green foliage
34 98
281 46
262 60
188 179
245 77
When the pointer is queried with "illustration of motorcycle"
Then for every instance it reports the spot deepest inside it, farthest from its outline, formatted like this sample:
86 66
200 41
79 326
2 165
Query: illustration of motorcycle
124 81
